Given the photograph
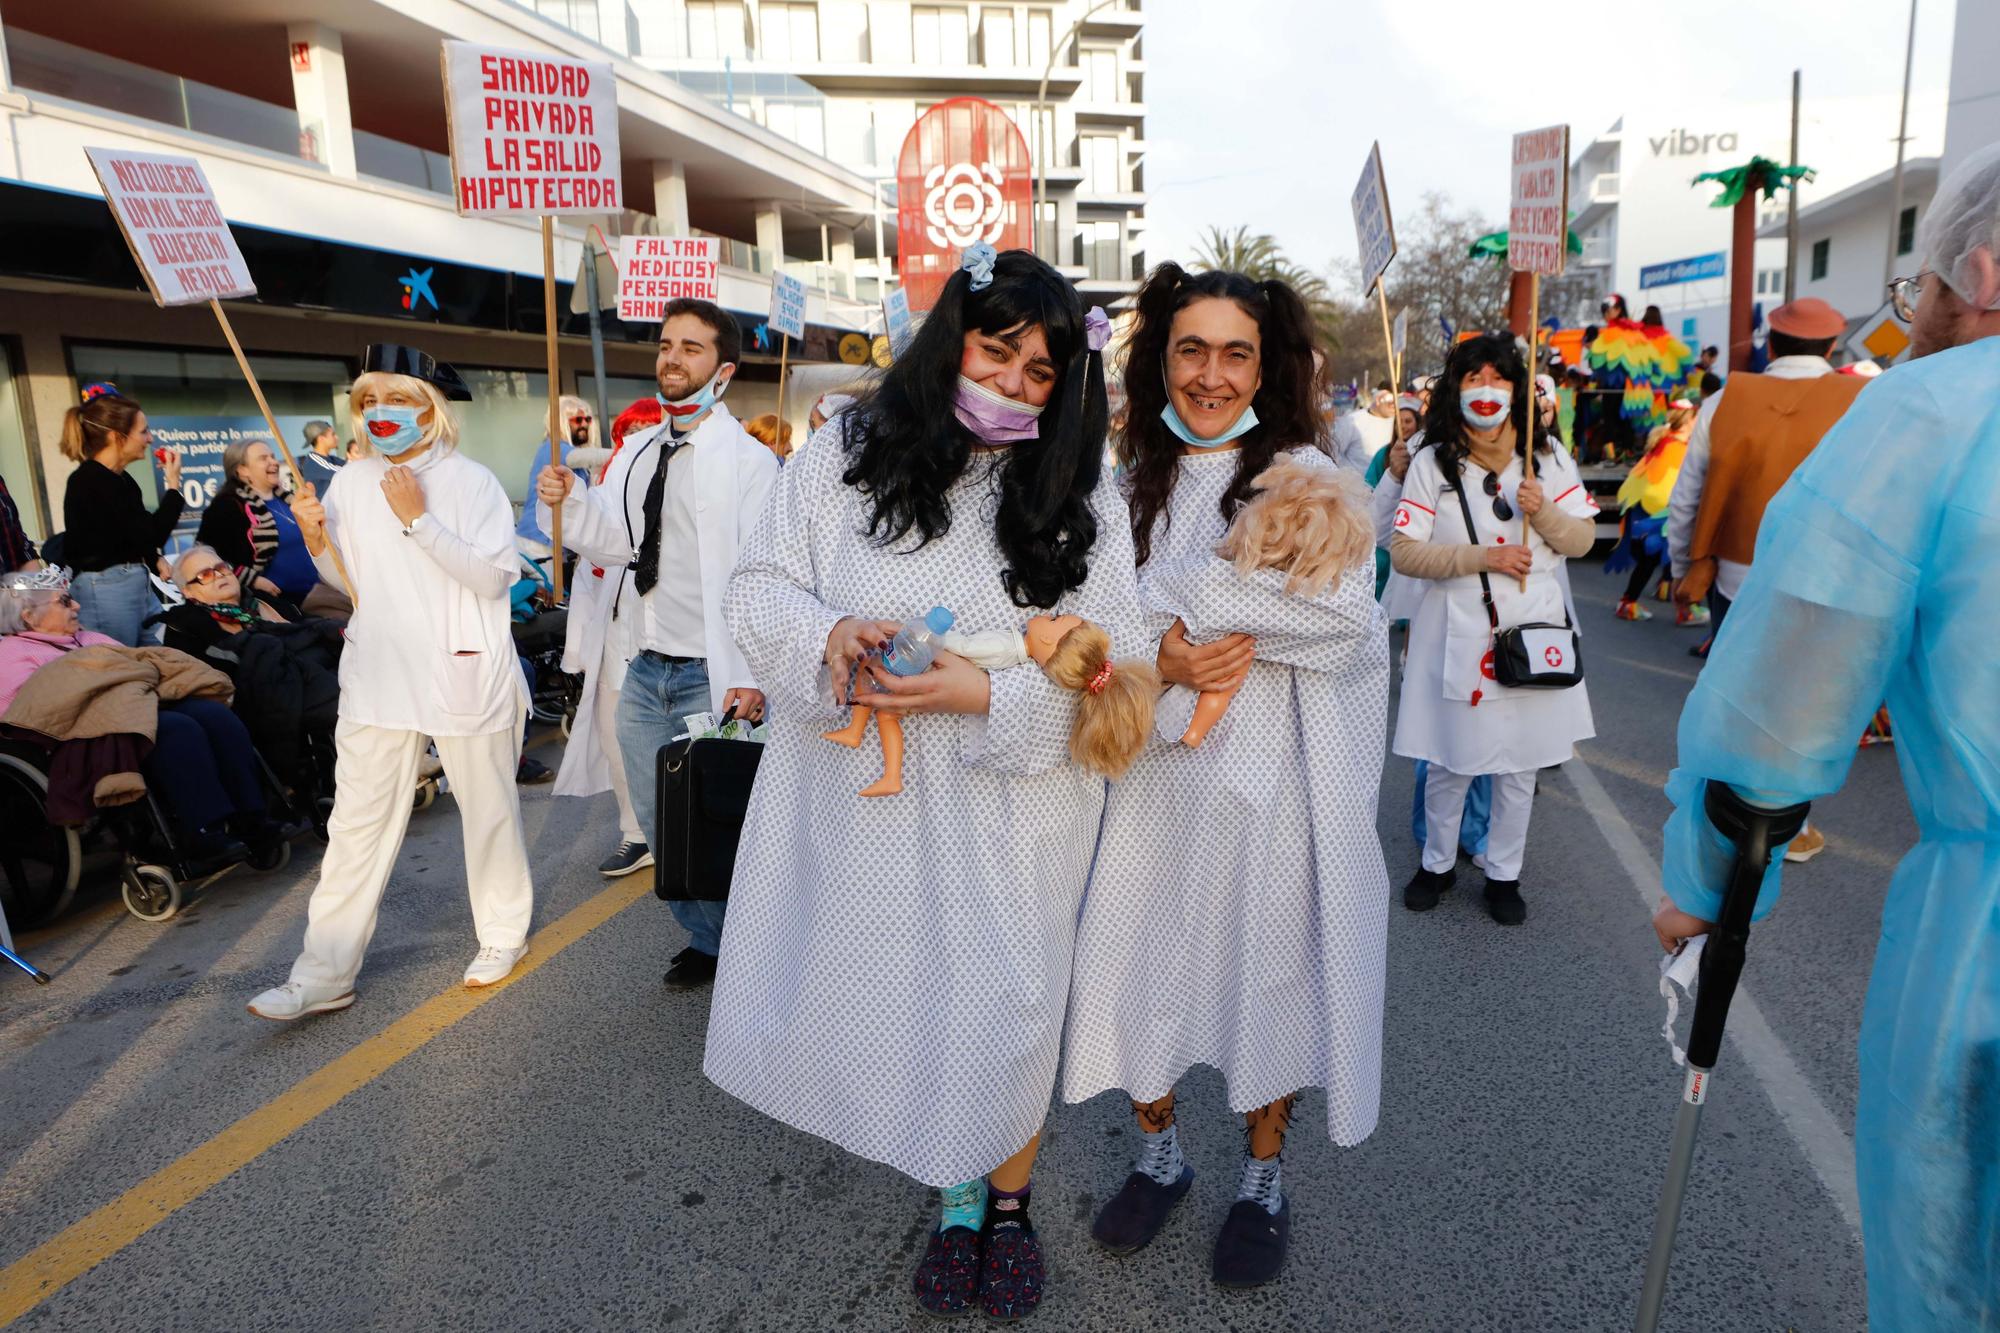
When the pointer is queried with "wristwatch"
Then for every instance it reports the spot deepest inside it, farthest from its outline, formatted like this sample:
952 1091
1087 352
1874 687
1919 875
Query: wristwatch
410 528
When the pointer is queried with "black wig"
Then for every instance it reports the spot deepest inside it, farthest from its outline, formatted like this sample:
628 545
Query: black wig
1444 426
1287 401
906 448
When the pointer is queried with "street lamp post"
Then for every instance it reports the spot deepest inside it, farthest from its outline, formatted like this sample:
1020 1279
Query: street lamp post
1042 114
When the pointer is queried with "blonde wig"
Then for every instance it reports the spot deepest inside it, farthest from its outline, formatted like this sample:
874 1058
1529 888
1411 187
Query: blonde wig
1114 712
440 430
1310 522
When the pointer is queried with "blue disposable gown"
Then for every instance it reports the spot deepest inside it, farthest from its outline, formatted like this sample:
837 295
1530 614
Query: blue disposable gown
1877 577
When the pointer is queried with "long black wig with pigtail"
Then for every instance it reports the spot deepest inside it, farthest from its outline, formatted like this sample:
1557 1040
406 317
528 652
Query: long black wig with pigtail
1444 426
1287 401
906 448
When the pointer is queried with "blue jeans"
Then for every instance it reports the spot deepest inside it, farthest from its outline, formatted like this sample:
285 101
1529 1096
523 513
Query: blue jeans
653 706
115 601
1478 810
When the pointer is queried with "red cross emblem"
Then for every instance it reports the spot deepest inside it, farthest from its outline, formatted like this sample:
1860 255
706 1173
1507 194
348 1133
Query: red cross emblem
1486 666
1552 655
1402 518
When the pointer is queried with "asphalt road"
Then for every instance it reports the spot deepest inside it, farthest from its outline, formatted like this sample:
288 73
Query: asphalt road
551 1158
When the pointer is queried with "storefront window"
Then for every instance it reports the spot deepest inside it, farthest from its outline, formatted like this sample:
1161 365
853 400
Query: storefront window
198 402
17 463
506 421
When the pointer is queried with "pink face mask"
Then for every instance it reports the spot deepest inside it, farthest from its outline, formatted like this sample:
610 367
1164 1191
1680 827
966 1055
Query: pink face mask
994 418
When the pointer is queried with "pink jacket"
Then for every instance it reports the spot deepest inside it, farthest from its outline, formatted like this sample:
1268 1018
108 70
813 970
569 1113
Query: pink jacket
24 653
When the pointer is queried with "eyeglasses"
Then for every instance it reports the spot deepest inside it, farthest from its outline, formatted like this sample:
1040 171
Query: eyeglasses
1903 293
1501 509
208 575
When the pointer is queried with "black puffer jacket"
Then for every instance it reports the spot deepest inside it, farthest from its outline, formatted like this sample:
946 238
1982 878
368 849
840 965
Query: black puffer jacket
286 674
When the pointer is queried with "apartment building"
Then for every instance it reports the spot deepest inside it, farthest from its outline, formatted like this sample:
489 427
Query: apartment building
848 78
323 134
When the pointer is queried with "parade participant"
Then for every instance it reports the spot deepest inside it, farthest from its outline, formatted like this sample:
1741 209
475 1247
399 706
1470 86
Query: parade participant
579 426
829 406
1237 913
894 971
111 541
676 505
251 525
322 457
1391 459
591 760
426 536
1875 579
1359 435
1752 436
772 433
1481 578
1642 508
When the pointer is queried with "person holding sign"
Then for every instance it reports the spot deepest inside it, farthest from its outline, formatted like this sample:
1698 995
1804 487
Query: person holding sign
111 541
428 535
895 970
1458 531
1238 909
671 515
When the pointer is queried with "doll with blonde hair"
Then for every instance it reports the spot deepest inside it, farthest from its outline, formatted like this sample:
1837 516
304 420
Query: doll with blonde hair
1114 706
1308 523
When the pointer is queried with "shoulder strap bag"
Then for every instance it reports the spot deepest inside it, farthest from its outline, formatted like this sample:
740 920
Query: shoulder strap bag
1539 656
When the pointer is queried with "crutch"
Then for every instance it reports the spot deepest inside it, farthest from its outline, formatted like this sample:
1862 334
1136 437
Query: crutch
7 952
1756 833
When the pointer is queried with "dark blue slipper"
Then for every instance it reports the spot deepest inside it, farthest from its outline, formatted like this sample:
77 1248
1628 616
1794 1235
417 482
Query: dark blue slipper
947 1281
1135 1214
1250 1249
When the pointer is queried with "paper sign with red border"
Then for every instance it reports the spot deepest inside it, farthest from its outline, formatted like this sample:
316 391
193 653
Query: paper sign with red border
1538 202
178 235
532 135
653 270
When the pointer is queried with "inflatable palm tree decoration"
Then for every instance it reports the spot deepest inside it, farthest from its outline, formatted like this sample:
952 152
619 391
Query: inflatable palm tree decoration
1740 188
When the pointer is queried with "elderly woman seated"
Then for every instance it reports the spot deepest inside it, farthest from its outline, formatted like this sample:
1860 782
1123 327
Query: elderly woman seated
200 764
285 665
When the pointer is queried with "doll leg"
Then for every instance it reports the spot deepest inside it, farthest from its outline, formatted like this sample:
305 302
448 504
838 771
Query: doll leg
888 730
1208 710
851 734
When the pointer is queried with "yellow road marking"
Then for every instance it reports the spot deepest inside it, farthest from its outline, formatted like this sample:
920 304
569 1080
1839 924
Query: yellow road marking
67 1256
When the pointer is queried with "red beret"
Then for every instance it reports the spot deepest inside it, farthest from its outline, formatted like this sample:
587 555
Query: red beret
1808 317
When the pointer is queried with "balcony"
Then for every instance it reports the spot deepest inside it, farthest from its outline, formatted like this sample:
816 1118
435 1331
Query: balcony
1118 113
1604 188
1122 20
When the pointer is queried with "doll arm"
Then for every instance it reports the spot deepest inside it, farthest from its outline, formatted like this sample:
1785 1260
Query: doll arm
989 650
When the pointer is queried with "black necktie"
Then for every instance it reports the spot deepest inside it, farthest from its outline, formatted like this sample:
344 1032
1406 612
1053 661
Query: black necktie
646 563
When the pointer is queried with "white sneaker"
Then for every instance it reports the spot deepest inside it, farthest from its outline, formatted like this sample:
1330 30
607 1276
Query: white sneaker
492 966
294 1000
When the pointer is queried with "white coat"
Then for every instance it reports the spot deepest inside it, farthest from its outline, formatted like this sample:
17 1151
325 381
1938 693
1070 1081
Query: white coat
733 478
586 768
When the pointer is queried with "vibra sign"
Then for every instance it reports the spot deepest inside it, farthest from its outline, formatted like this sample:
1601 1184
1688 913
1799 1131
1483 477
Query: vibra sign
1682 143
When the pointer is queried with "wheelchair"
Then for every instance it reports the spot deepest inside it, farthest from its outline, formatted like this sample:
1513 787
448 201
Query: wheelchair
538 639
42 864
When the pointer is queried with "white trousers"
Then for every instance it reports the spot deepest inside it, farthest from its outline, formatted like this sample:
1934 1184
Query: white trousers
607 740
1506 831
375 781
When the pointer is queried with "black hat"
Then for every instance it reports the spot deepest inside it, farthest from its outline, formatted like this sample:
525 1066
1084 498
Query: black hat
396 359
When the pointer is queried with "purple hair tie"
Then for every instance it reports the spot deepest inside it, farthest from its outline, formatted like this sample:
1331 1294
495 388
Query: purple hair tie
1096 328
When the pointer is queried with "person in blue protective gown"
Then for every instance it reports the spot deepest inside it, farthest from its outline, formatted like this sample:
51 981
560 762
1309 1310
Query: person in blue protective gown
1877 568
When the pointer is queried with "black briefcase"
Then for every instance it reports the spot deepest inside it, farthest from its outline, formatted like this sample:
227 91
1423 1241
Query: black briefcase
704 791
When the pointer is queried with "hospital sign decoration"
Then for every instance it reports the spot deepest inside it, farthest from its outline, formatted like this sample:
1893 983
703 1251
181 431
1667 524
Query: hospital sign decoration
963 176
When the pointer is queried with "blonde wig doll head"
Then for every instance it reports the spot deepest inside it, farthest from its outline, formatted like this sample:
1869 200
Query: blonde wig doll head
1114 714
1308 521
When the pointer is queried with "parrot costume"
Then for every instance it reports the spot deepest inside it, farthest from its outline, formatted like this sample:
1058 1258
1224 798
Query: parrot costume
1643 360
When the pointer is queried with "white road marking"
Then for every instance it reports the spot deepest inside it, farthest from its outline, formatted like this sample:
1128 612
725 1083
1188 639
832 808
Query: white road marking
1827 1147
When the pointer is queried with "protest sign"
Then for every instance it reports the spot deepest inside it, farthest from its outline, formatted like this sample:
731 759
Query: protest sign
653 270
896 319
1538 205
1399 336
1374 229
788 305
531 134
176 230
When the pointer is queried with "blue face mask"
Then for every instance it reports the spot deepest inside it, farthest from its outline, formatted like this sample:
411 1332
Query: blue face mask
1246 422
687 409
407 435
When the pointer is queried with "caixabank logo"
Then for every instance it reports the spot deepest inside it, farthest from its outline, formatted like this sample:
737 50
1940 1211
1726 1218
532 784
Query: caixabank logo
417 289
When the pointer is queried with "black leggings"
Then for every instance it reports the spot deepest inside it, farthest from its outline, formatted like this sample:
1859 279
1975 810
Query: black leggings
1642 576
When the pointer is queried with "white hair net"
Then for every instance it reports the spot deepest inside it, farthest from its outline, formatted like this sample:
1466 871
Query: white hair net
1964 217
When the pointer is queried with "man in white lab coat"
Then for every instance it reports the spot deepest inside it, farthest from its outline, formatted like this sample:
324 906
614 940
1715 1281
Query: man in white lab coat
675 508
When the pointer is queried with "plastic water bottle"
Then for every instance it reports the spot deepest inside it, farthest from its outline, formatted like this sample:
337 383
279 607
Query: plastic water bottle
914 648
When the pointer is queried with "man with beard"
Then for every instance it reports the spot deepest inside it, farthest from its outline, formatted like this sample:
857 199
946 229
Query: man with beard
674 508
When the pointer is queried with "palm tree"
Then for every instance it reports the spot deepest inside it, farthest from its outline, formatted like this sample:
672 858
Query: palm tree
1260 258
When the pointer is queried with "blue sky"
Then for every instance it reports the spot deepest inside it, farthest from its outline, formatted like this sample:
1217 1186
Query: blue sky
1260 112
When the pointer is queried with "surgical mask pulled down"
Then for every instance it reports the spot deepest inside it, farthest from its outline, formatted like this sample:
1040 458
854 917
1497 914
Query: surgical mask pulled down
1486 407
697 402
994 418
1244 424
392 429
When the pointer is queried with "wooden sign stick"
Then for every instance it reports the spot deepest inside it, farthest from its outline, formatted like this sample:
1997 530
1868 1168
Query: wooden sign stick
1534 408
1388 341
278 438
555 398
784 352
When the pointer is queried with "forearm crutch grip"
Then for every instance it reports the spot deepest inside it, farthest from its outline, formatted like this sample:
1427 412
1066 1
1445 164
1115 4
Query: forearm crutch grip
1756 833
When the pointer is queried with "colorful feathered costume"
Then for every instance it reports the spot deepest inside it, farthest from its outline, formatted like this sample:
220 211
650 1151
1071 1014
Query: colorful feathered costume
1643 360
1643 499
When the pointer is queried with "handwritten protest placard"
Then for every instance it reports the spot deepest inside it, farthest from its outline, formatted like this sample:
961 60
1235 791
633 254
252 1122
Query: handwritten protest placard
1374 229
653 270
170 219
530 133
788 305
896 317
1538 207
